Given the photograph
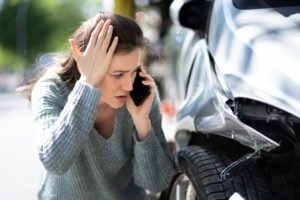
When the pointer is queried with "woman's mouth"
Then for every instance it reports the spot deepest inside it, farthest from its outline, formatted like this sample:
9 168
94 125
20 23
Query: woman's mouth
122 98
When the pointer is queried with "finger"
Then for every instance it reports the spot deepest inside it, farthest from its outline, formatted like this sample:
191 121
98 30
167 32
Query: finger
107 38
97 17
94 36
146 76
75 49
143 70
148 80
112 48
102 33
149 83
152 89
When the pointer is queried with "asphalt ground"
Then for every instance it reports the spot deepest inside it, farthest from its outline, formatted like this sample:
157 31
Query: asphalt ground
20 169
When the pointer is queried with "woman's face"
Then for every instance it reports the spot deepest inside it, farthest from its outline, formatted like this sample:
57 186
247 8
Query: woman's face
119 79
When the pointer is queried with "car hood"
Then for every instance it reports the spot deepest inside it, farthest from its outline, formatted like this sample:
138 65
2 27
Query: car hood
258 52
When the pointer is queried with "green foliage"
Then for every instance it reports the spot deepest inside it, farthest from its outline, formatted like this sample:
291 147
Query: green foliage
32 27
7 58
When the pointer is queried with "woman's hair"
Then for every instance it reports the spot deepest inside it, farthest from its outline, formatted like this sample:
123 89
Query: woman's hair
130 37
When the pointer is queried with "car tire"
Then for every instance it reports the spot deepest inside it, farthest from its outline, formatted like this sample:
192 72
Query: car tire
202 167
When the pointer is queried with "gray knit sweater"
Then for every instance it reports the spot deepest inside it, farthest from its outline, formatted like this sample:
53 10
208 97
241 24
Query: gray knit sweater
81 164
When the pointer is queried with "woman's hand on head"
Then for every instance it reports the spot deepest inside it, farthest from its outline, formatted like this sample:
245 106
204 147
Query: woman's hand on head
140 114
93 63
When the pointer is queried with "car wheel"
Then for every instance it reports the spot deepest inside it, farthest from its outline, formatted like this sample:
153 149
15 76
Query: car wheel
182 189
199 177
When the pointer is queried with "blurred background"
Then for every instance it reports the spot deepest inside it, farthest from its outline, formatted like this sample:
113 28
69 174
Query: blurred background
31 29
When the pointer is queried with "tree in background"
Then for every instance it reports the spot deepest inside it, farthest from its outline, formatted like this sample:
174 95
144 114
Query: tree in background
29 28
32 27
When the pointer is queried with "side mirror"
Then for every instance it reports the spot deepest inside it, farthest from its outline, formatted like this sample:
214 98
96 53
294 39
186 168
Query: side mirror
192 14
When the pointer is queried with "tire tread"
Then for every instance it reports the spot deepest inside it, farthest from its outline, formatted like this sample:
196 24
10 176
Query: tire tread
203 166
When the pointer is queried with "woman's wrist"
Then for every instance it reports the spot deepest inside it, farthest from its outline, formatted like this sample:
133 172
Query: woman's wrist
143 128
88 81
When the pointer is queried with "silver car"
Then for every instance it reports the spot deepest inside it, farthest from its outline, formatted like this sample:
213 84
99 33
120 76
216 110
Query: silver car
234 78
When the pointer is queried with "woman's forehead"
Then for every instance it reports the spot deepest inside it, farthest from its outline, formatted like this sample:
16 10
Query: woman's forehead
126 61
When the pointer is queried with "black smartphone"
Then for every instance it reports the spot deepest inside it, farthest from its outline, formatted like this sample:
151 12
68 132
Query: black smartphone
140 92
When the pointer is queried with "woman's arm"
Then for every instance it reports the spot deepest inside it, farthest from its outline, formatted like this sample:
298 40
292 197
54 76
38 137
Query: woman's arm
153 167
62 128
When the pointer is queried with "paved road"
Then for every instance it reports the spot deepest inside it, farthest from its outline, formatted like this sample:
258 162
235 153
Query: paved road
19 168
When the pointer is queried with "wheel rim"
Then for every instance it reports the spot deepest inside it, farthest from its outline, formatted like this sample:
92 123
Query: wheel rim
182 189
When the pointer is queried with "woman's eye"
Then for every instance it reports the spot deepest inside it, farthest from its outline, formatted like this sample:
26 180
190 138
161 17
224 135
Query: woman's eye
117 75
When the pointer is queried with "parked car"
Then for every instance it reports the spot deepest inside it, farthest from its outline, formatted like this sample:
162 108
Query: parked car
234 68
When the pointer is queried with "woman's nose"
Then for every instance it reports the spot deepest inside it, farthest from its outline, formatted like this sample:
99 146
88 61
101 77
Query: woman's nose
127 84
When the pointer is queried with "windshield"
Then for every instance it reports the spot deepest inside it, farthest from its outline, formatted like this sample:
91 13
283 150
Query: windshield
256 4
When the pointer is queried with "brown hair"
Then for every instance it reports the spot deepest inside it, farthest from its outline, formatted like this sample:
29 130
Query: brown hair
130 37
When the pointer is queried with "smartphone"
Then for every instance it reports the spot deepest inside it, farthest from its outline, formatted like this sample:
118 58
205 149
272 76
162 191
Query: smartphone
140 92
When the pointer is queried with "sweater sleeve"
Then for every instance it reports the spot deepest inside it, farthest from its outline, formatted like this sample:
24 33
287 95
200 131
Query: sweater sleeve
62 128
153 168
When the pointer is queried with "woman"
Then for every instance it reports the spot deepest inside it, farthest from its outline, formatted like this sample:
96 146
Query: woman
93 141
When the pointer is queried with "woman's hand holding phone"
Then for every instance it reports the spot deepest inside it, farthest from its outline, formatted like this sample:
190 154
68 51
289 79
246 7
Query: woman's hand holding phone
140 114
97 53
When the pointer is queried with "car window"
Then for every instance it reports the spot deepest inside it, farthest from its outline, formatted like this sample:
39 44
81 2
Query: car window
257 4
